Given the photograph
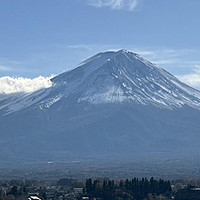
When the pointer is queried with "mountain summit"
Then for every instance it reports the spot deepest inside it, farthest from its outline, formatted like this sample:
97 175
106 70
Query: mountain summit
124 76
114 103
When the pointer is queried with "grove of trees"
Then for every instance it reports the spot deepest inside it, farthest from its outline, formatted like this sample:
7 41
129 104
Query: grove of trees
134 189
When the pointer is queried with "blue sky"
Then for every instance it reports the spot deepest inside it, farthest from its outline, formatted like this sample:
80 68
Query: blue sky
45 37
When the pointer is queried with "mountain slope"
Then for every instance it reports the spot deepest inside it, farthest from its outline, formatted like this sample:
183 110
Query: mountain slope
114 103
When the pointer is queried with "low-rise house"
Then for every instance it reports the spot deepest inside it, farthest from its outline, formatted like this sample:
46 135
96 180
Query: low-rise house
85 198
34 198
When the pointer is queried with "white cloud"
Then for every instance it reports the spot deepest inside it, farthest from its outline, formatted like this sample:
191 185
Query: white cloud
192 79
114 4
164 62
10 85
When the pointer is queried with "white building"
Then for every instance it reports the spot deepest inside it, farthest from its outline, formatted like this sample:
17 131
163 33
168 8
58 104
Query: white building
34 198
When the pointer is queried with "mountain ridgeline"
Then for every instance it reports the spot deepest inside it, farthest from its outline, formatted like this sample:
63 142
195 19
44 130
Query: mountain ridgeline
114 104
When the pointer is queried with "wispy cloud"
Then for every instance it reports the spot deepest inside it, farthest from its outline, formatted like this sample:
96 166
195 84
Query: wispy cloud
79 47
10 85
192 79
4 68
171 58
8 65
114 4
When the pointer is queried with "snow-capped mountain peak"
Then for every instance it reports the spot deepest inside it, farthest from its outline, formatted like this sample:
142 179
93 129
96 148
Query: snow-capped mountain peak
123 76
112 77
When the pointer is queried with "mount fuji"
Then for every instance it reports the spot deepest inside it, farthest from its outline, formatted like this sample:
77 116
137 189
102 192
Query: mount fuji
113 104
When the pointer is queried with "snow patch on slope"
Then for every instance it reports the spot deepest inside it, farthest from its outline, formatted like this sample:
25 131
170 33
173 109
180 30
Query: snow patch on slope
49 102
112 95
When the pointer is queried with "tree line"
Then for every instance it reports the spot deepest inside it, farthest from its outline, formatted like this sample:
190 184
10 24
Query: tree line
134 189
